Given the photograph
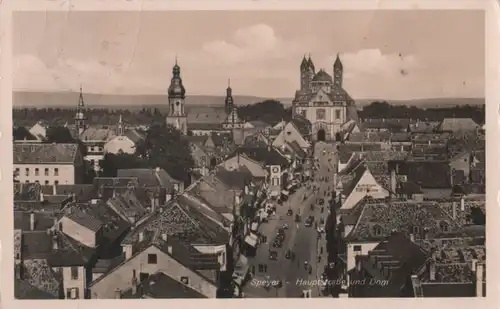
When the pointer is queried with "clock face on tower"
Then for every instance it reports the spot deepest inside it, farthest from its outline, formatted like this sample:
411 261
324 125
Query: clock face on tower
275 169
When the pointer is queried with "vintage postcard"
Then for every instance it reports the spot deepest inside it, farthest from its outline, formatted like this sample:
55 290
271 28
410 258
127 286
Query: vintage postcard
248 154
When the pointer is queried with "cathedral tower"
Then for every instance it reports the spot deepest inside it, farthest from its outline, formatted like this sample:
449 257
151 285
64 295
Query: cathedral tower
307 72
120 130
229 98
177 116
80 116
337 72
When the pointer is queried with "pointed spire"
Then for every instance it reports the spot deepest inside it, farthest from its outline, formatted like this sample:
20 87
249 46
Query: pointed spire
304 63
80 99
338 63
120 121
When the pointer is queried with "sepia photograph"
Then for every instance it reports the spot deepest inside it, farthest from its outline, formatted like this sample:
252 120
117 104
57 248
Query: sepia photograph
248 154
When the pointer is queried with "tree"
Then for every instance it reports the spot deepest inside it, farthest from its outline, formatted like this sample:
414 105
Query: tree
113 162
166 148
477 216
269 111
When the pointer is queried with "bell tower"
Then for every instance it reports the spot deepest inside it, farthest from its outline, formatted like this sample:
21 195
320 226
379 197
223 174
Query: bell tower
80 116
338 70
229 102
177 116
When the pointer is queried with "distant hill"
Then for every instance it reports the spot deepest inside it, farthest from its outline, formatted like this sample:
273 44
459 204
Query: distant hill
70 99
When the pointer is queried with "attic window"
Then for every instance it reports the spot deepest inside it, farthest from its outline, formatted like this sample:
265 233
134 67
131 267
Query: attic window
444 226
377 230
288 132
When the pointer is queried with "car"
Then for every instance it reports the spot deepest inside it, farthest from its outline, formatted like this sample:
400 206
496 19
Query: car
289 212
321 201
308 222
273 255
297 218
285 226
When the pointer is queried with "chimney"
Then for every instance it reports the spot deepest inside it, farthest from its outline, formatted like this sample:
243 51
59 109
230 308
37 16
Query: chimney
454 210
393 181
462 204
141 236
54 189
474 264
164 236
55 244
32 221
479 280
118 294
432 270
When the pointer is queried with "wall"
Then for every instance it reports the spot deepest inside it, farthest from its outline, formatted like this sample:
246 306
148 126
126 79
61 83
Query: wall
78 232
79 283
294 135
121 277
67 174
365 247
254 167
462 163
220 250
118 143
376 191
38 129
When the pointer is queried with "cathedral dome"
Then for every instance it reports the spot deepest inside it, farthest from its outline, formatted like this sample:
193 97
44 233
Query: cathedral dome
176 88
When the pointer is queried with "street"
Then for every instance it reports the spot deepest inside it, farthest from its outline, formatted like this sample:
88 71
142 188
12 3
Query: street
301 240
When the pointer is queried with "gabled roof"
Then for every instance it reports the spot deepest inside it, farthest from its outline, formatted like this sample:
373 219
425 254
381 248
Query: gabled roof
38 273
302 125
84 219
358 172
134 136
258 124
24 290
128 205
265 156
31 153
150 177
380 220
162 286
185 223
322 76
297 149
98 134
457 125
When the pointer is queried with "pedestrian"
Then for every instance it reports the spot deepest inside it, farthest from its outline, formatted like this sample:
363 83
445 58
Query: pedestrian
265 268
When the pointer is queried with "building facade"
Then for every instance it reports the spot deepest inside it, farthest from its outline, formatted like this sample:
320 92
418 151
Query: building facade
323 101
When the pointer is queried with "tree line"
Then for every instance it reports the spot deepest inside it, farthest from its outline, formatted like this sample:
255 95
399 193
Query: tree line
382 109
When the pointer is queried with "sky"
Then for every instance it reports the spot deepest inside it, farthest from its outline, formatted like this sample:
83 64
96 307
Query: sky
394 55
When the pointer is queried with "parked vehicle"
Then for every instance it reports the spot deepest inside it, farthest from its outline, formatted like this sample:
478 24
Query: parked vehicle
273 255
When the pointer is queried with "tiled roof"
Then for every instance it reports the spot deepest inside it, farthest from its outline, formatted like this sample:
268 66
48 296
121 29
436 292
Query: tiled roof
364 146
265 156
297 149
369 137
210 114
187 224
36 206
344 153
303 125
427 174
150 177
43 220
24 290
134 136
162 286
128 205
113 225
191 200
82 192
401 137
379 220
39 274
30 153
469 204
357 174
385 180
82 218
120 181
258 124
439 138
234 179
220 138
98 134
423 127
457 125
204 126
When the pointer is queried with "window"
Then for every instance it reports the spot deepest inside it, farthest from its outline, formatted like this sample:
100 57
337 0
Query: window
27 172
27 181
37 181
56 182
46 172
444 226
56 172
337 114
275 181
303 113
185 280
377 230
72 293
320 114
46 182
17 171
37 172
416 230
74 273
152 258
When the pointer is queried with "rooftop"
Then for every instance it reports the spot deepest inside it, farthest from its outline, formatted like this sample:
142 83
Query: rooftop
160 285
31 153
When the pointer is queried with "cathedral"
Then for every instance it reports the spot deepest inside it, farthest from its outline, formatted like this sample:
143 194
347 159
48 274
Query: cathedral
322 100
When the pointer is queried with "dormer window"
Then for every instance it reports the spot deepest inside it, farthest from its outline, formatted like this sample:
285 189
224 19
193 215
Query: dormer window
444 226
377 230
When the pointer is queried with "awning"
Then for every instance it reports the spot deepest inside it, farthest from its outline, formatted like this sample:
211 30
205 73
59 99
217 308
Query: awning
284 192
251 240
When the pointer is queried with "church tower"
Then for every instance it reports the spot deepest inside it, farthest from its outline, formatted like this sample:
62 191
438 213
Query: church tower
229 98
79 116
307 72
119 128
338 72
177 116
